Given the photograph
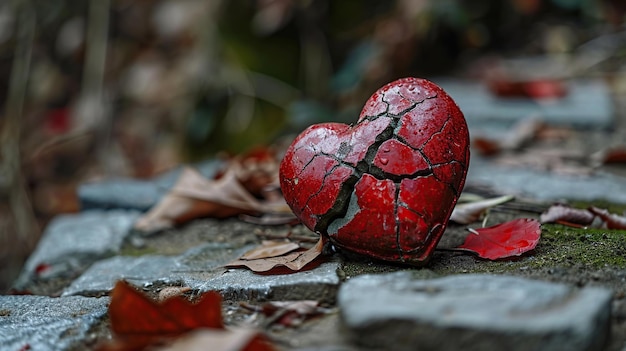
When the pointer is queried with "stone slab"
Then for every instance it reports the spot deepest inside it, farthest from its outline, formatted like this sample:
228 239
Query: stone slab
72 242
587 105
473 312
141 195
546 186
201 269
46 323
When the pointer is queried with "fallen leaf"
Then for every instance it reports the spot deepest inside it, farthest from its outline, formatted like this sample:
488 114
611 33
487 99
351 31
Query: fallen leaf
288 313
139 322
567 215
219 340
612 221
294 261
503 240
194 196
171 291
270 248
612 155
470 212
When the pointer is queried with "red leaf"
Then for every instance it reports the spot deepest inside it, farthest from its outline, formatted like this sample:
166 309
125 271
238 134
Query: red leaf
507 239
138 321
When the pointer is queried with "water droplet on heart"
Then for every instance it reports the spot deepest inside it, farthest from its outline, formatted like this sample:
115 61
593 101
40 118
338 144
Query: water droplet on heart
386 149
411 87
384 160
296 181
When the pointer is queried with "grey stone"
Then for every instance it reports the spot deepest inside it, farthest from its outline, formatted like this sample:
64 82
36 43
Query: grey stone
72 242
100 278
202 269
587 105
473 312
546 186
136 194
46 323
320 283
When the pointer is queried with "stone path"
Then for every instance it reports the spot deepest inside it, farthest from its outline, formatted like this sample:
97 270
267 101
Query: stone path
559 297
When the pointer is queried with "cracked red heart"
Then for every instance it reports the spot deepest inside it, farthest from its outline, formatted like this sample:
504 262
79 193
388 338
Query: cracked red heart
386 186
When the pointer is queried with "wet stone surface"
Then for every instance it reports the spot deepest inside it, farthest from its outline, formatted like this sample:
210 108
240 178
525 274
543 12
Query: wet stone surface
46 323
73 242
201 269
135 194
547 186
587 105
473 312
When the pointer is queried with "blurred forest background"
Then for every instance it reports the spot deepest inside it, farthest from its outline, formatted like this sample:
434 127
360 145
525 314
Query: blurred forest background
104 88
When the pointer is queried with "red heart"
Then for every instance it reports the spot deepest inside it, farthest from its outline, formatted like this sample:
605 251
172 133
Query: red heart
386 186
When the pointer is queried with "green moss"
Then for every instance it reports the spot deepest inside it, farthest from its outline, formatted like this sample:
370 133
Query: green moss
559 246
129 250
610 206
593 247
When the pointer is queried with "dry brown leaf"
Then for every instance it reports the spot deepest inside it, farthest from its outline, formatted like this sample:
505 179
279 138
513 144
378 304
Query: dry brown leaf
270 248
567 215
171 291
612 221
288 313
472 211
194 196
294 261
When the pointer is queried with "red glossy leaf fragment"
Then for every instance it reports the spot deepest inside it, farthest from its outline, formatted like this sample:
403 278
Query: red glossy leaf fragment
507 239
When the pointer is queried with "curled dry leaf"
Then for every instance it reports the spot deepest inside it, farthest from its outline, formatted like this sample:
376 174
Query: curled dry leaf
470 212
503 240
567 215
270 248
171 291
194 196
294 261
288 313
612 221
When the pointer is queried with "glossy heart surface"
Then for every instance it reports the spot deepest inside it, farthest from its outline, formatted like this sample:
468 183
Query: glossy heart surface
386 186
